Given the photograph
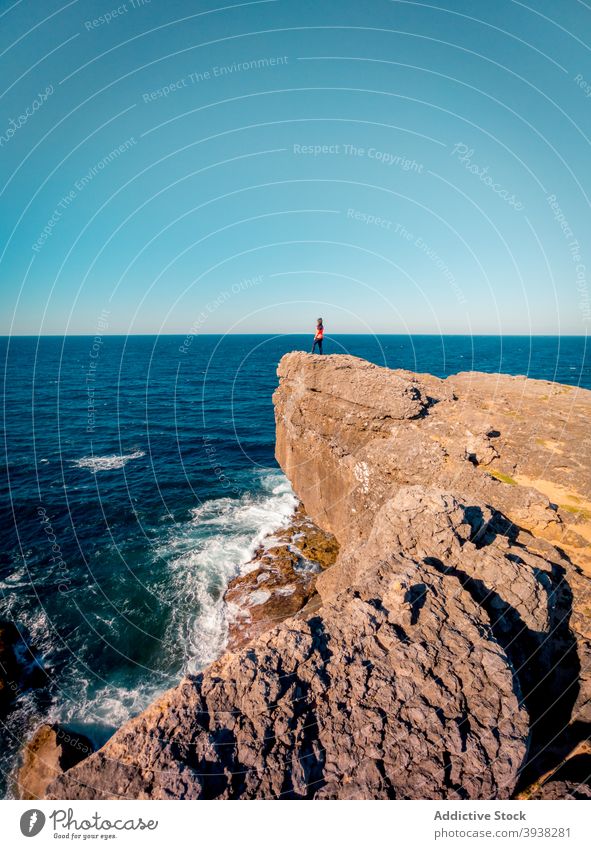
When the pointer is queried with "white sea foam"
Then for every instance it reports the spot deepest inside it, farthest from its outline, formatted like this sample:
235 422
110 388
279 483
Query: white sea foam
210 550
201 555
106 463
104 706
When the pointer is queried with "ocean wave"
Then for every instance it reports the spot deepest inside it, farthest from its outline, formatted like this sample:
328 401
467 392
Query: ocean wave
107 462
199 557
211 549
97 711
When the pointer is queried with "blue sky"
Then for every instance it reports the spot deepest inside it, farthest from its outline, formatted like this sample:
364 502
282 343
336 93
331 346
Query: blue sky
175 167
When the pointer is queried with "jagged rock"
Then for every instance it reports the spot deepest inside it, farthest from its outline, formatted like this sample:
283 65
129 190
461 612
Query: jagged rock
314 545
444 653
279 580
49 753
480 449
563 790
397 689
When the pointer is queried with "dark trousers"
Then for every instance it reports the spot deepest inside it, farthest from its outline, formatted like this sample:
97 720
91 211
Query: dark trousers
319 343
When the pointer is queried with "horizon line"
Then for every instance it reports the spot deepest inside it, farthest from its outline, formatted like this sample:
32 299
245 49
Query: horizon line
86 334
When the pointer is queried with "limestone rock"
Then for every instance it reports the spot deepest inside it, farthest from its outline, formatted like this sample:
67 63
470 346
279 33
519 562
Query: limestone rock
480 448
50 752
563 790
396 689
537 429
280 579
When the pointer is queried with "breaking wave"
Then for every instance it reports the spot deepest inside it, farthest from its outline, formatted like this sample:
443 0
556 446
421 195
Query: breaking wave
106 463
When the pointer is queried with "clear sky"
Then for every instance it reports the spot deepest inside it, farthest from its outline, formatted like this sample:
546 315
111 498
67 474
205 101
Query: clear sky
176 167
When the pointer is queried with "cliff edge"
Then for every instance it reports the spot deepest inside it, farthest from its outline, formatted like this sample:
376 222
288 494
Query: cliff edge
445 653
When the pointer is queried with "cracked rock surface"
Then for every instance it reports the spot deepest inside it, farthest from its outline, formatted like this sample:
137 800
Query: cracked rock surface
397 690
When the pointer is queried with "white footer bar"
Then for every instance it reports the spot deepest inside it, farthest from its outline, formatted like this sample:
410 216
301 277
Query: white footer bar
279 825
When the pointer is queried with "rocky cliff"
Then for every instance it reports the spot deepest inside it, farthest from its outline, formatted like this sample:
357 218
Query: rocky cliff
445 653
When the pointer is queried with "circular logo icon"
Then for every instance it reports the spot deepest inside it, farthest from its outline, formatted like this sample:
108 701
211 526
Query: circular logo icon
32 822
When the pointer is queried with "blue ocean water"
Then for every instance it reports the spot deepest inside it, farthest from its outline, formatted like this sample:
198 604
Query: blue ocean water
138 477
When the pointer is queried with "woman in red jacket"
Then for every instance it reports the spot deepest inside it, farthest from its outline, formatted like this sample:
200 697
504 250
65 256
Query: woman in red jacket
319 336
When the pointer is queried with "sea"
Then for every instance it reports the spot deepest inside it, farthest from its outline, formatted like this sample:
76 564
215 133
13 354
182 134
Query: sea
137 478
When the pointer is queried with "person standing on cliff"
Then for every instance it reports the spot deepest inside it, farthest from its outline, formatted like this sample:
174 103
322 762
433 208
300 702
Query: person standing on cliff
318 337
